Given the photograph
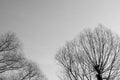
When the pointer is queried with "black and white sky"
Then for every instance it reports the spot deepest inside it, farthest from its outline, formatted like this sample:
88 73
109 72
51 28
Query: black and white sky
43 26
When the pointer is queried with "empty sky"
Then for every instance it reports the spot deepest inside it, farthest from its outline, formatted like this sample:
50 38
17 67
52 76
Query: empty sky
43 26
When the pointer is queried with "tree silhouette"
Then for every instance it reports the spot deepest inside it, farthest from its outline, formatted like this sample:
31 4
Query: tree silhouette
13 60
29 72
93 55
11 57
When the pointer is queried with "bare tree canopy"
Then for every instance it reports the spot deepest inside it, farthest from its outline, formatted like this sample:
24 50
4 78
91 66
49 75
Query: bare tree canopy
29 72
10 53
12 59
93 55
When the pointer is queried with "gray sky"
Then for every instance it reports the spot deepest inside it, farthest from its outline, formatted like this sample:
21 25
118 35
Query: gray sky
43 26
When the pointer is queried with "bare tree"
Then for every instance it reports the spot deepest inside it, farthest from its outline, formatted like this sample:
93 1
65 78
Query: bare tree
10 53
30 72
93 55
12 60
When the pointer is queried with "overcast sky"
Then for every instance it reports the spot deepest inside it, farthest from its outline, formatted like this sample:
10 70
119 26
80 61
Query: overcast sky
43 26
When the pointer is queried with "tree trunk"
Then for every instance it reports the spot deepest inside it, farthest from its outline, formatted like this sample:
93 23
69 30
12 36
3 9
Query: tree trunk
99 77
